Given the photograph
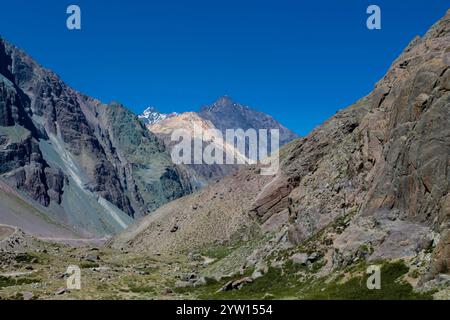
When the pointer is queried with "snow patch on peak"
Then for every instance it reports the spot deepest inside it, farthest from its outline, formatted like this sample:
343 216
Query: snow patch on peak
151 116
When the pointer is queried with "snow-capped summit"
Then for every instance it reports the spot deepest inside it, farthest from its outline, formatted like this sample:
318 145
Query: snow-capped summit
151 116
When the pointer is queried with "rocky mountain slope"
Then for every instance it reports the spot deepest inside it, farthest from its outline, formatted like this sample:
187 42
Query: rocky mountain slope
371 184
92 166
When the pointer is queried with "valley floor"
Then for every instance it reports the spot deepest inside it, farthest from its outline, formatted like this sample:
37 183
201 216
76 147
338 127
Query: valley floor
116 275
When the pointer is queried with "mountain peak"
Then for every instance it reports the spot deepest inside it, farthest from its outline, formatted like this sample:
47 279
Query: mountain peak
224 101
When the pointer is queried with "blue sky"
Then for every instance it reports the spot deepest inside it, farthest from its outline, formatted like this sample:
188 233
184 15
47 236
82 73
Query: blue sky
299 61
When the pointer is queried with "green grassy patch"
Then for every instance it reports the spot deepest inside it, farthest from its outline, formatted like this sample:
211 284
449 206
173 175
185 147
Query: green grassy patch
88 265
9 281
287 283
25 258
393 287
217 252
141 289
274 282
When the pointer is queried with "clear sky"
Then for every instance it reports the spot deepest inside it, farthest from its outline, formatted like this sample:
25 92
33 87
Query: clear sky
299 61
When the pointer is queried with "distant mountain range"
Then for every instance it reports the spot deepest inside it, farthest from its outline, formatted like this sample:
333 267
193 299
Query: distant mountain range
227 114
222 115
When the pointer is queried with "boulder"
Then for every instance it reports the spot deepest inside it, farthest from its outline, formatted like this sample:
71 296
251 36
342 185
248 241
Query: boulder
300 258
236 284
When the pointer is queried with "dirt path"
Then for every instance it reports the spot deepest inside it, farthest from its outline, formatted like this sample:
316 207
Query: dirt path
76 241
17 273
7 231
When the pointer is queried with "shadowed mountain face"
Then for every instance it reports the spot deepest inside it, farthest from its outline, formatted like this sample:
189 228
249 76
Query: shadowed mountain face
92 165
227 114
372 183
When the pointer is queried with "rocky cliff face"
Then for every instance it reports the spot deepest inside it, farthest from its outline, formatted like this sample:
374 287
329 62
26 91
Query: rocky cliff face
370 184
146 168
20 157
59 146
